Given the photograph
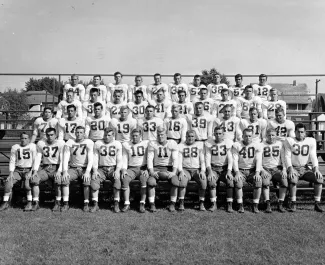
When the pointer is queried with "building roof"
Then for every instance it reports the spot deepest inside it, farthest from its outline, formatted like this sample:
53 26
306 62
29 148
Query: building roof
293 94
38 97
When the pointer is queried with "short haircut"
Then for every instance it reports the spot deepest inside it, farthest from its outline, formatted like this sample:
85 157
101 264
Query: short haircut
197 76
137 92
150 107
137 76
69 92
248 87
203 88
252 109
161 90
47 108
263 75
181 91
227 106
224 90
157 74
94 90
71 106
124 107
161 129
48 130
238 76
81 128
175 106
177 74
117 91
74 75
278 110
191 132
270 130
247 130
273 89
118 73
98 104
217 128
24 133
300 126
109 129
98 76
136 130
198 103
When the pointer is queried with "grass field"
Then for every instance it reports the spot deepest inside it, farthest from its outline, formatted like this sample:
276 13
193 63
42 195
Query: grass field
191 237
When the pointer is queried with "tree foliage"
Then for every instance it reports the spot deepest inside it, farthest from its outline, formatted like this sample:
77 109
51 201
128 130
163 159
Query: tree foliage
208 76
44 83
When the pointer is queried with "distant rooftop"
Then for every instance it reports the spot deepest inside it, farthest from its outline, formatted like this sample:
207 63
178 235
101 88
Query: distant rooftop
38 97
293 93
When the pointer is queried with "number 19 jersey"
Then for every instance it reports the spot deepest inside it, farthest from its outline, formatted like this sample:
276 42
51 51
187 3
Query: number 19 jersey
123 128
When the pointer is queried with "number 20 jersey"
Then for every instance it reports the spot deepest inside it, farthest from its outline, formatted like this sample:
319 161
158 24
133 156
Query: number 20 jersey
107 154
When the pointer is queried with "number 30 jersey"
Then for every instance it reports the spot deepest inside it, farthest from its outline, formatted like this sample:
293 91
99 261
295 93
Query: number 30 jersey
78 152
107 154
216 154
149 127
162 155
247 156
22 156
273 154
191 156
135 155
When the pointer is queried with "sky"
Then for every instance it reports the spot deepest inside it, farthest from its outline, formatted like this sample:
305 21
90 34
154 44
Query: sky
149 36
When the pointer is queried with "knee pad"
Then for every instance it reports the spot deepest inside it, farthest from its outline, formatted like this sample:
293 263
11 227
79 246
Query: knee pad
238 184
117 184
152 182
230 183
94 185
212 184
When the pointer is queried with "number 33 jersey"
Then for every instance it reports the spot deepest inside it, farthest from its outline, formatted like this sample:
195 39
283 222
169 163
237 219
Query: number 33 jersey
162 155
246 155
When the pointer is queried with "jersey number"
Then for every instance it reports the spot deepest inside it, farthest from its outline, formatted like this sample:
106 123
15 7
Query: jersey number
111 151
46 151
162 152
300 150
221 150
73 126
176 127
76 147
94 125
275 151
190 152
249 152
281 131
202 124
125 128
25 154
139 151
147 126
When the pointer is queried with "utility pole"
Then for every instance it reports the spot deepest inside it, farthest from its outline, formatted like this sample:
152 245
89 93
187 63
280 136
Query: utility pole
316 103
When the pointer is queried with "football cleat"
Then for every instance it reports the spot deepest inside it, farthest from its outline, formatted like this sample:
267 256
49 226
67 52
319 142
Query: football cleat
153 207
280 207
86 207
35 206
268 207
317 208
28 206
4 206
142 208
229 207
293 207
181 205
95 208
201 207
255 208
171 207
126 208
65 207
241 208
116 208
56 207
213 207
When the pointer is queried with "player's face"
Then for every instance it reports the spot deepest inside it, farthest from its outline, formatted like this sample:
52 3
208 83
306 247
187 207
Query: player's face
50 136
270 137
300 133
177 79
138 81
199 109
217 78
117 98
273 95
181 97
94 96
190 138
161 137
219 134
262 80
80 134
160 96
203 94
124 114
24 140
136 137
74 80
279 116
71 113
238 81
108 137
157 79
197 81
96 81
224 95
247 137
118 78
69 97
98 111
138 98
248 92
253 115
47 114
150 113
227 113
175 112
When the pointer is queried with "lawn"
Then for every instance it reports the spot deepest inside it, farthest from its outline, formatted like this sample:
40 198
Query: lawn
191 237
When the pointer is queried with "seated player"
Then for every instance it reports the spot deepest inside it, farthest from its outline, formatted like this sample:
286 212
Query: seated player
135 167
238 89
162 105
194 88
117 86
49 152
113 108
247 102
191 164
273 168
77 89
284 128
42 123
102 90
162 163
298 152
107 164
258 126
22 157
176 126
261 89
95 125
177 86
149 124
218 160
269 106
200 122
67 126
247 163
124 125
153 89
230 124
208 102
219 104
88 106
137 87
214 89
138 106
62 111
186 107
77 164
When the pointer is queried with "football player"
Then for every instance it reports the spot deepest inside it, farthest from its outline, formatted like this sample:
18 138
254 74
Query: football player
113 108
162 105
153 89
22 157
118 86
176 126
194 88
261 89
102 90
229 123
42 123
162 163
137 87
77 164
185 107
269 106
149 124
191 164
135 167
88 106
238 89
77 89
298 151
107 164
208 102
248 101
67 126
177 86
138 106
214 89
283 127
62 111
219 104
247 163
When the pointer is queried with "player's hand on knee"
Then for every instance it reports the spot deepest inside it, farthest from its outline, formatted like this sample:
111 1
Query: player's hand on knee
10 177
238 176
34 175
257 177
265 174
117 175
57 175
210 177
153 174
229 176
86 176
65 176
284 174
145 173
28 175
202 175
318 174
123 173
181 175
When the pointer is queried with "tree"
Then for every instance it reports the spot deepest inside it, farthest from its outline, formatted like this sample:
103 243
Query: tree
208 76
44 83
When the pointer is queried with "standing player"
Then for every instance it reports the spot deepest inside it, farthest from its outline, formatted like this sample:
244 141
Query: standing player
153 89
113 108
22 157
248 101
269 106
191 164
273 168
162 105
247 163
238 89
135 167
283 127
138 106
137 87
102 91
176 126
220 104
62 111
298 152
67 126
49 152
162 163
195 87
77 89
177 86
219 163
149 124
77 164
124 125
214 89
88 106
185 107
42 123
95 125
118 86
207 102
261 89
107 164
230 124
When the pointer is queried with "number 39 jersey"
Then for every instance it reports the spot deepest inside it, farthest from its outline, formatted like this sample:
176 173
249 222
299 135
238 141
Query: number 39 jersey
95 127
51 153
123 128
162 155
149 127
273 154
22 156
79 152
107 154
247 155
216 153
202 125
298 153
191 156
135 155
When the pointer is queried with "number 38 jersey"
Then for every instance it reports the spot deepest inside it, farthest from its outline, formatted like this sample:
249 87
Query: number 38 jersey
22 156
50 153
273 154
79 152
107 154
247 156
95 127
298 153
149 127
123 128
191 156
216 153
135 155
162 155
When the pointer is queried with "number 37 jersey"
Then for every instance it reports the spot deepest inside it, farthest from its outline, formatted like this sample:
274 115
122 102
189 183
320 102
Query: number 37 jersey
51 153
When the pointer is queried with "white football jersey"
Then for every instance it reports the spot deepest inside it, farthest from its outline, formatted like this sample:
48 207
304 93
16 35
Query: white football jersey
62 111
67 128
230 127
162 155
262 91
22 156
78 91
269 108
217 154
123 128
220 104
113 110
246 156
153 89
149 127
78 152
102 92
176 128
191 156
133 89
202 125
49 154
40 126
137 110
185 108
238 92
121 87
173 91
162 109
214 91
273 154
95 127
283 130
194 91
258 127
107 154
208 104
243 106
135 155
88 108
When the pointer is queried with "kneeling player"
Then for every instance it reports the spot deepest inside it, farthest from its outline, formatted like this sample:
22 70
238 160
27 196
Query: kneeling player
219 165
191 164
107 165
135 167
273 168
162 163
